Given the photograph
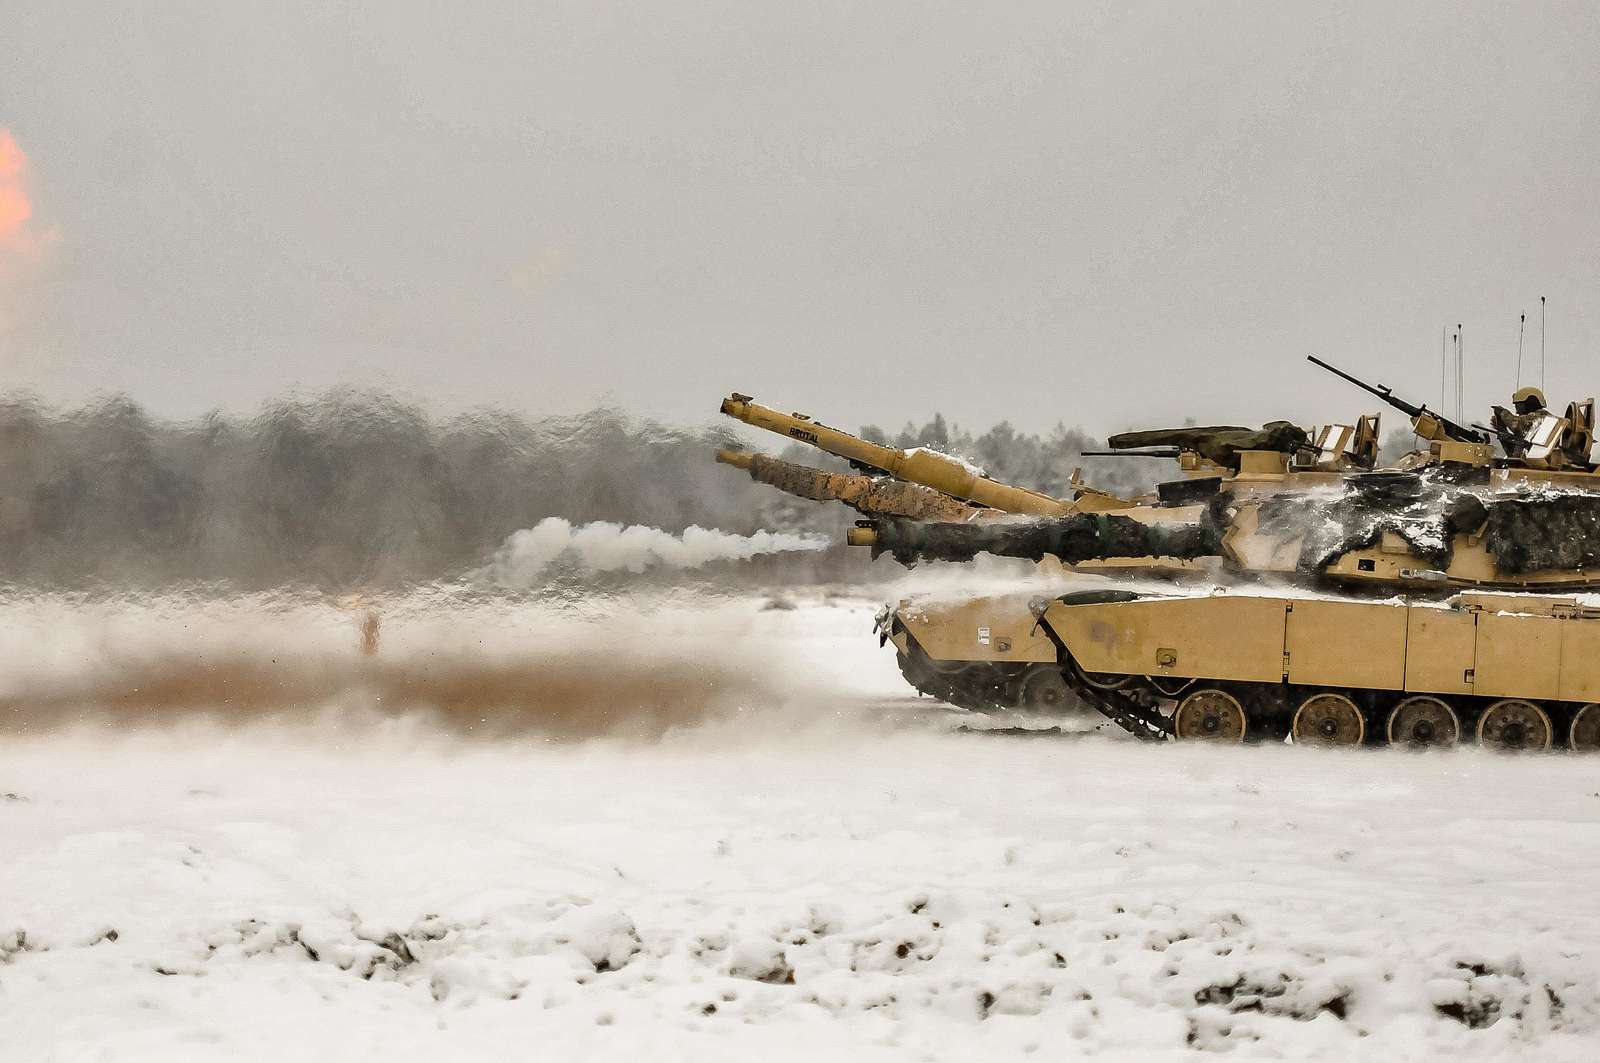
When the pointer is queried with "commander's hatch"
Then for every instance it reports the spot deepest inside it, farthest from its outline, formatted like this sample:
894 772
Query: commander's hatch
1546 435
1341 447
1333 442
1332 449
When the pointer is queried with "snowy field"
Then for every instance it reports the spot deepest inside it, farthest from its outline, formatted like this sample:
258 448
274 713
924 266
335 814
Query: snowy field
687 828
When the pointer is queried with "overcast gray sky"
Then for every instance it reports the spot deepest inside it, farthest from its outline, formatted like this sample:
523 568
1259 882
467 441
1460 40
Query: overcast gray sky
1105 214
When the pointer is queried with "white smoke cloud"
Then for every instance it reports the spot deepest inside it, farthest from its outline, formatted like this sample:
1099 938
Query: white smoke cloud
605 546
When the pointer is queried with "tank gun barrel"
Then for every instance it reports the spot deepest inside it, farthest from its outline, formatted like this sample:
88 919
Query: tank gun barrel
1074 539
1418 414
1159 452
918 466
869 495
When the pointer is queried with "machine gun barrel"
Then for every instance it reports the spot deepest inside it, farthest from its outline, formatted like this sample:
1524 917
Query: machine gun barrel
1451 430
919 466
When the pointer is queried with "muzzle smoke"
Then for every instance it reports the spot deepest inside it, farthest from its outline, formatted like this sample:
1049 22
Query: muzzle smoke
605 546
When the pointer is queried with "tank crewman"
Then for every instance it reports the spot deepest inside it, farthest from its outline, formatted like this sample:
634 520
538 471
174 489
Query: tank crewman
1515 429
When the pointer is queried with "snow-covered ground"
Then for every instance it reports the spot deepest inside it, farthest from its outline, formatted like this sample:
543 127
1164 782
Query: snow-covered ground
718 829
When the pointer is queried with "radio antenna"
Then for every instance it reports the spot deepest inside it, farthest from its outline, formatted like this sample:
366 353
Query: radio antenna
1444 364
1522 321
1541 343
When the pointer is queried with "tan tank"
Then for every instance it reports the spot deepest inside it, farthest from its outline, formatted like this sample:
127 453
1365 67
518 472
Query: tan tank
1286 655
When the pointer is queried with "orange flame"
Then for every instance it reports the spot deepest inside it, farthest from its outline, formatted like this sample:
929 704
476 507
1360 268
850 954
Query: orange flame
15 210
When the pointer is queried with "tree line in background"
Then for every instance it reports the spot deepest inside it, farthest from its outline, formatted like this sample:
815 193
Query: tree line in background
360 489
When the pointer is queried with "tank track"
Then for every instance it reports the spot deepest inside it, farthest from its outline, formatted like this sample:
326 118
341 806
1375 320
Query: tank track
976 689
1131 709
981 687
1125 708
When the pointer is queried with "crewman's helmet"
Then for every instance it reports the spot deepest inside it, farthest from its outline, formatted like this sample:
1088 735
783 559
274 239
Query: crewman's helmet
1528 400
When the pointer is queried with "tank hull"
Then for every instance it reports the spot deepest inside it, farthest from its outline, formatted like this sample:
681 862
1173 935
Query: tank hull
1511 671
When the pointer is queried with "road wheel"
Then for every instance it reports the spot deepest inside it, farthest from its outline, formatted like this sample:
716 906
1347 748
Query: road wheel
1422 722
1514 725
1210 714
1584 734
1045 690
1328 720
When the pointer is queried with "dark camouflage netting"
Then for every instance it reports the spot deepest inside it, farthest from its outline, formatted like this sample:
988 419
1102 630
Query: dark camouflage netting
1330 529
1523 533
1545 532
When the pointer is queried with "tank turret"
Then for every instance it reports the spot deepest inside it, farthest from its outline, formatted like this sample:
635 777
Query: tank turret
1450 520
1416 530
